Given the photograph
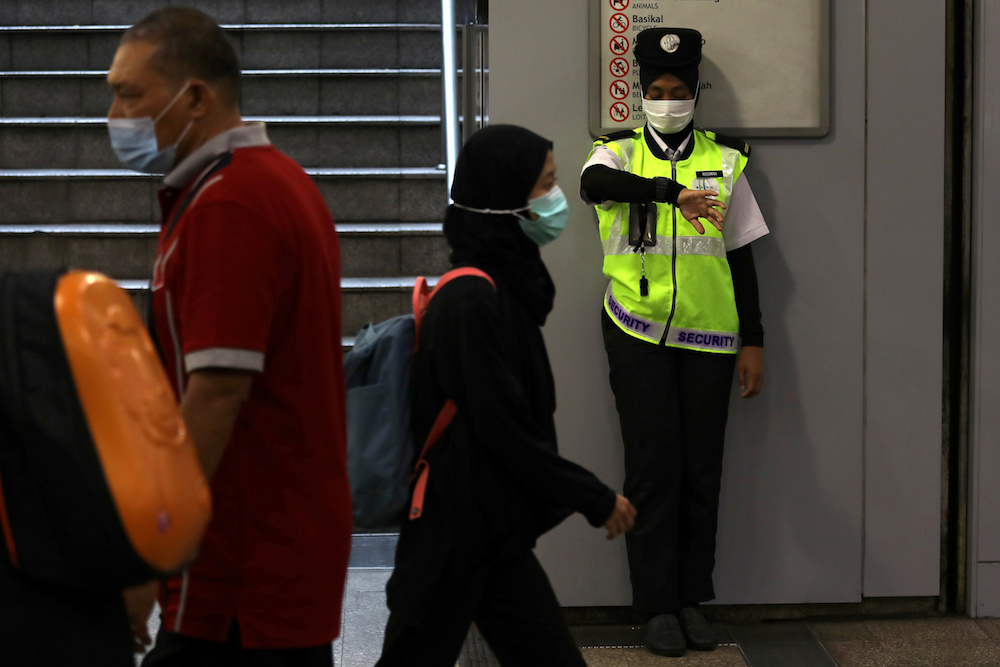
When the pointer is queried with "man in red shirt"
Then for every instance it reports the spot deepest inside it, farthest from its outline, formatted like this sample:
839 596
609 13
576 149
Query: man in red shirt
246 306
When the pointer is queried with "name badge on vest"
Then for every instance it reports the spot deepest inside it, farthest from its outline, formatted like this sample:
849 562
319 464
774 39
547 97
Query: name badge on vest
707 180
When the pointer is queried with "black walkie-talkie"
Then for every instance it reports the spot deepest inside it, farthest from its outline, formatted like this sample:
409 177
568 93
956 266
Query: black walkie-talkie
642 235
642 225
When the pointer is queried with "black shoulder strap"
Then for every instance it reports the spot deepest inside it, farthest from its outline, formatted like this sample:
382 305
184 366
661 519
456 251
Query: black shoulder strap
221 163
729 142
615 136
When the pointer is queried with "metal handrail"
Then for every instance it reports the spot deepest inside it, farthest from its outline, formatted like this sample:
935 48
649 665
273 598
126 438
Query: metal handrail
449 81
473 114
475 66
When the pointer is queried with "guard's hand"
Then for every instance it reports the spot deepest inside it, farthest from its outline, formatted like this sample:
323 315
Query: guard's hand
139 601
750 371
696 204
622 518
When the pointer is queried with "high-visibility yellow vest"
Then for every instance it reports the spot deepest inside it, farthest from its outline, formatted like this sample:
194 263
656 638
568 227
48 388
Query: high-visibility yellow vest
690 302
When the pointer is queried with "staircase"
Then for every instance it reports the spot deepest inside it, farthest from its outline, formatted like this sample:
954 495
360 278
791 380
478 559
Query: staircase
350 90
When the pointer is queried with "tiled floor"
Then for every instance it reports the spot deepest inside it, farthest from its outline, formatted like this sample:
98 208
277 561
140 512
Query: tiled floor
920 642
365 614
932 642
916 642
724 656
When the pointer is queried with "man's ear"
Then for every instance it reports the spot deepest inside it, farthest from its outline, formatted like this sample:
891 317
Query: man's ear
203 98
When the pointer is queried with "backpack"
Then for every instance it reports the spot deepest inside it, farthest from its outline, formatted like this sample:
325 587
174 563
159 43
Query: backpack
380 445
100 486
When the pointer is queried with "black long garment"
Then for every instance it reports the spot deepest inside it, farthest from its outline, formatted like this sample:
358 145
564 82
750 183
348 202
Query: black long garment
496 480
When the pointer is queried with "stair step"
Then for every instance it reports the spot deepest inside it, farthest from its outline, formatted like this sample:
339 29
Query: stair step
282 92
33 12
331 141
367 285
258 46
105 174
359 229
97 195
247 73
126 254
228 27
127 250
364 300
70 121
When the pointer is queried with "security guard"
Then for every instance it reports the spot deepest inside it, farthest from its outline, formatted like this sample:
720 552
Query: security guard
680 307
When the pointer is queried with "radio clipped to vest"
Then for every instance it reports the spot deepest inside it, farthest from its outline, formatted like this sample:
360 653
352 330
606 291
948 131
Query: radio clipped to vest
642 235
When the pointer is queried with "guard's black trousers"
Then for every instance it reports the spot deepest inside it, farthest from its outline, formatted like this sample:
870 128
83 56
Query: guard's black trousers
512 604
673 405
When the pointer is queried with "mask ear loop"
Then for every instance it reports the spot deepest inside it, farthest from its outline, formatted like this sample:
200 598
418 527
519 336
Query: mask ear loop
489 211
172 102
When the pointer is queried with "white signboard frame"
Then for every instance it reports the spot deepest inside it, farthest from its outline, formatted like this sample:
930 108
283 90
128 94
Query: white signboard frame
765 68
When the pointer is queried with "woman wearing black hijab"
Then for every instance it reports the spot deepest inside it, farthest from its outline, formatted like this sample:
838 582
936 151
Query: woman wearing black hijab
497 481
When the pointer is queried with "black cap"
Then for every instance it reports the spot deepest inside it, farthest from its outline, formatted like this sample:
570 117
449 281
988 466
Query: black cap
674 51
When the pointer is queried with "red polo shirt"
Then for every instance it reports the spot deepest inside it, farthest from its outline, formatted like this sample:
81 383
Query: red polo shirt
249 279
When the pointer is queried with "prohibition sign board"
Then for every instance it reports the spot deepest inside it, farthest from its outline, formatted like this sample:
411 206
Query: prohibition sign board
787 39
619 23
619 112
619 90
619 67
619 45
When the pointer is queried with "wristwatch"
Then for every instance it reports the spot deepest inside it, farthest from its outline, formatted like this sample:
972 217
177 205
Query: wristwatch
662 184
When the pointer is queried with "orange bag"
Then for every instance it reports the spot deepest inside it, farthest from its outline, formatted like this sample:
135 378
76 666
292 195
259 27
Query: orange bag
101 485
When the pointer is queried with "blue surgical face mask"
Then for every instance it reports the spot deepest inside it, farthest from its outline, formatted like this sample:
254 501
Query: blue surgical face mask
553 214
134 142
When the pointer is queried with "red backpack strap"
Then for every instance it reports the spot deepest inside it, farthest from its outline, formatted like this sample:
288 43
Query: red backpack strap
422 295
8 535
458 273
420 300
422 468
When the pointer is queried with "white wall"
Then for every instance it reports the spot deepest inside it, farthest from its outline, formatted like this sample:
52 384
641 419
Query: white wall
795 499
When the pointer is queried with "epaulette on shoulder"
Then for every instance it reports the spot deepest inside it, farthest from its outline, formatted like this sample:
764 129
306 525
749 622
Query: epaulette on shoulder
729 142
615 136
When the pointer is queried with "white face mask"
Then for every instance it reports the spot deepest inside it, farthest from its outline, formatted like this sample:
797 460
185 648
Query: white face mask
134 141
668 116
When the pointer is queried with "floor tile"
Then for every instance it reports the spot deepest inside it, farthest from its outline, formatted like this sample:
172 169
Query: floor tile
724 656
945 653
841 631
860 653
365 617
924 630
604 657
991 626
367 580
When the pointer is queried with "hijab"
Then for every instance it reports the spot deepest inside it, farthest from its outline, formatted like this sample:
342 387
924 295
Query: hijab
497 169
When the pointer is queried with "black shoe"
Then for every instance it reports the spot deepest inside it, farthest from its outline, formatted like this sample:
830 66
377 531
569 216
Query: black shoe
664 637
700 635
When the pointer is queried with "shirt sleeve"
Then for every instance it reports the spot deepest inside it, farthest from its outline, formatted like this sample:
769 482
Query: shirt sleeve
231 281
744 272
744 221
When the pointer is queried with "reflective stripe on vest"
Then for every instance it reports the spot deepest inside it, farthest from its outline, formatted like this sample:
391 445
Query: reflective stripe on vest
649 330
690 301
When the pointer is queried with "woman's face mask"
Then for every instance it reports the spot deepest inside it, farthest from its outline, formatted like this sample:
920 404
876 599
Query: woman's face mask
552 210
668 116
